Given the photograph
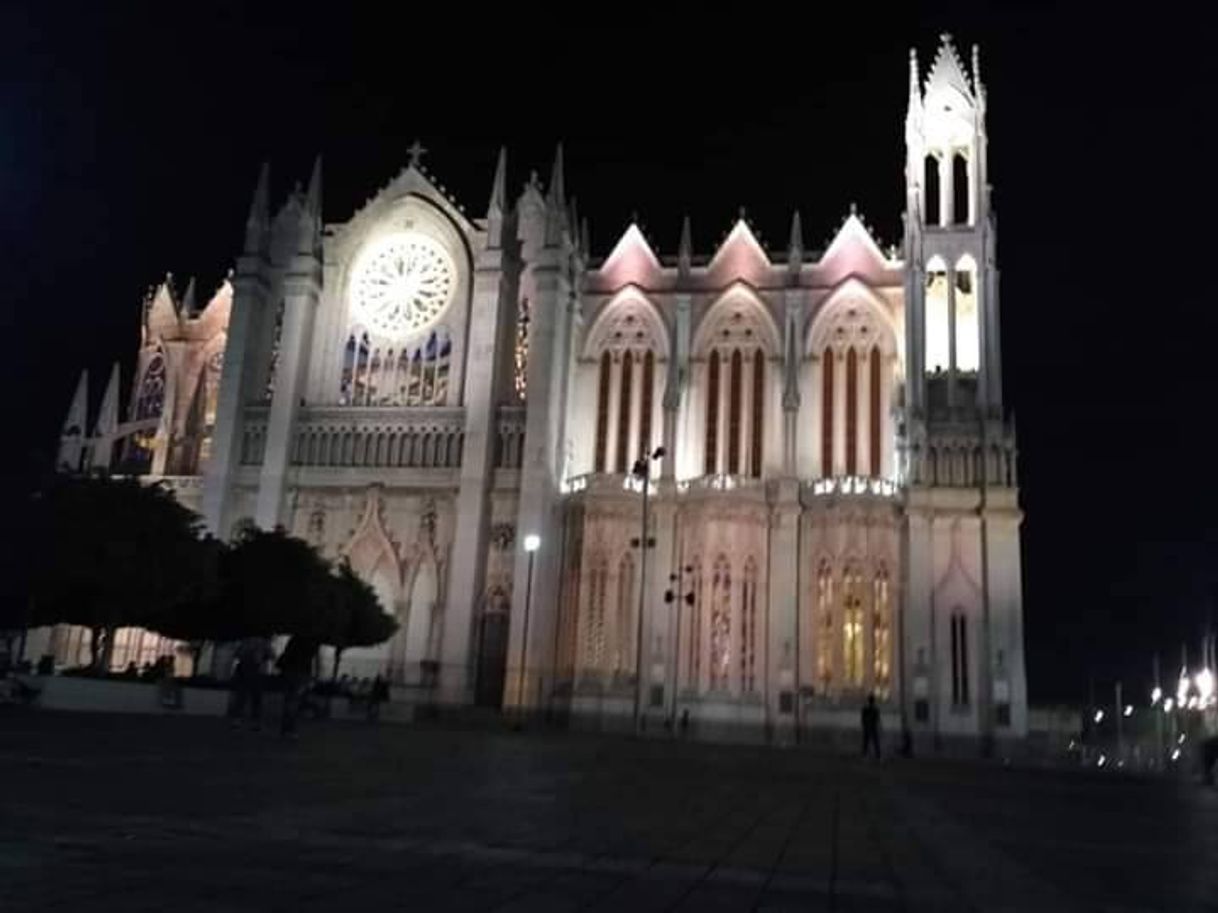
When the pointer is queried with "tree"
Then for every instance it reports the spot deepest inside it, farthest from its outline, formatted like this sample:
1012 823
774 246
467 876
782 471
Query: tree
110 553
272 583
355 617
200 616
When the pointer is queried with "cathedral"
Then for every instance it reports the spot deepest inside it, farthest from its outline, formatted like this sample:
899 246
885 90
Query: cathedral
734 491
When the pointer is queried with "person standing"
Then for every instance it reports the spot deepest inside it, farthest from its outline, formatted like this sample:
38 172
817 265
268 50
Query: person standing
253 654
871 727
296 664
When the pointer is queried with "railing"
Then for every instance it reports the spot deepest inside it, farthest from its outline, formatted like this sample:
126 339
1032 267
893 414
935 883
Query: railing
428 438
853 485
253 436
721 482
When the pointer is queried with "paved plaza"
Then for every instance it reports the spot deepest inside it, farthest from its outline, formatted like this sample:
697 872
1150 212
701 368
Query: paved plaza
146 813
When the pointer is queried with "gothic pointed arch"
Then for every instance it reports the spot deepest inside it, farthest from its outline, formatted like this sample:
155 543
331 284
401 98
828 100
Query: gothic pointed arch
628 320
739 314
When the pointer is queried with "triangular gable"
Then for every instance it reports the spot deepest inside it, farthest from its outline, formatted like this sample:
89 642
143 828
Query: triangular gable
740 256
947 72
853 252
632 261
162 317
410 181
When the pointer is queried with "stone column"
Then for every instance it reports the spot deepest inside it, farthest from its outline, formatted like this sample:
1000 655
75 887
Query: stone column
300 290
781 625
467 568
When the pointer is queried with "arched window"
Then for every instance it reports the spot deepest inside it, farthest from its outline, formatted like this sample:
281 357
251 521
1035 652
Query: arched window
968 331
374 378
876 380
150 401
720 658
733 415
622 462
960 189
649 370
273 362
711 458
623 633
852 629
852 411
931 192
826 412
960 678
602 412
881 633
748 629
759 379
938 354
824 625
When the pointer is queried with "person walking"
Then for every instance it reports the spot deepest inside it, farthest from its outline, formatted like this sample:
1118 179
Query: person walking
377 695
296 665
871 727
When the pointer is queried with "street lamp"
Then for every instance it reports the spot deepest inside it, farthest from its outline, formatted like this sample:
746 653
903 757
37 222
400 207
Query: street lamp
642 471
532 542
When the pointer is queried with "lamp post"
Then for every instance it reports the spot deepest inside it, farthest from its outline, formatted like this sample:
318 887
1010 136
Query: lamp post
678 596
642 470
532 542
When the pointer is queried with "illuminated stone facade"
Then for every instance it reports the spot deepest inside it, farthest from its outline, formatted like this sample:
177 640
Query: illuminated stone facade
835 513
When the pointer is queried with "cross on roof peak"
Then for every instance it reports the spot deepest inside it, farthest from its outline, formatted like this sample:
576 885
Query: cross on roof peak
417 150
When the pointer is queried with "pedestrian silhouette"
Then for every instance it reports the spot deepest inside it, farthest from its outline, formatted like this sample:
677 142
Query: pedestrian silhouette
871 727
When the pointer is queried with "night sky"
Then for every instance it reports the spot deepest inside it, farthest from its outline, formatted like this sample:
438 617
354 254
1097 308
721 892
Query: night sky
129 146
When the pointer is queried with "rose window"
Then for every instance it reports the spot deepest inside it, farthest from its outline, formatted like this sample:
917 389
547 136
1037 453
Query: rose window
402 283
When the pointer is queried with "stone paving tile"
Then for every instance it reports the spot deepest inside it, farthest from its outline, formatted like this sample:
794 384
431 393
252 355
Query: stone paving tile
195 817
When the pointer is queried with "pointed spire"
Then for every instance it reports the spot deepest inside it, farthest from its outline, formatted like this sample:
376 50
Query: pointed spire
585 238
556 201
313 196
499 185
259 218
107 415
685 250
795 249
498 202
557 192
915 91
187 307
77 417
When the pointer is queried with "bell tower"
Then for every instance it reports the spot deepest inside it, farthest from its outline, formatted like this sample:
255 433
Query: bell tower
963 667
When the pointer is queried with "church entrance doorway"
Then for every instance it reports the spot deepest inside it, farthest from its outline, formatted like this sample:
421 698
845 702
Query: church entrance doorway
492 657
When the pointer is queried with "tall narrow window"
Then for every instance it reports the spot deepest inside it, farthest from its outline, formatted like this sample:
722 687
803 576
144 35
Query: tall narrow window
693 664
649 371
852 412
520 366
852 629
874 411
968 331
346 383
414 387
374 378
759 379
623 635
623 414
826 413
881 633
937 336
930 186
960 682
748 629
151 398
594 645
429 369
361 372
733 413
960 189
273 363
602 413
721 625
439 395
824 626
710 458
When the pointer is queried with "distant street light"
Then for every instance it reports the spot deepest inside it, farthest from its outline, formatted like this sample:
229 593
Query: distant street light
1099 717
1129 710
1204 680
532 542
1156 695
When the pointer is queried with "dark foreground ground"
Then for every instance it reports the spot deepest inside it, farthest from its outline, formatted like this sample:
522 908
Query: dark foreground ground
104 813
